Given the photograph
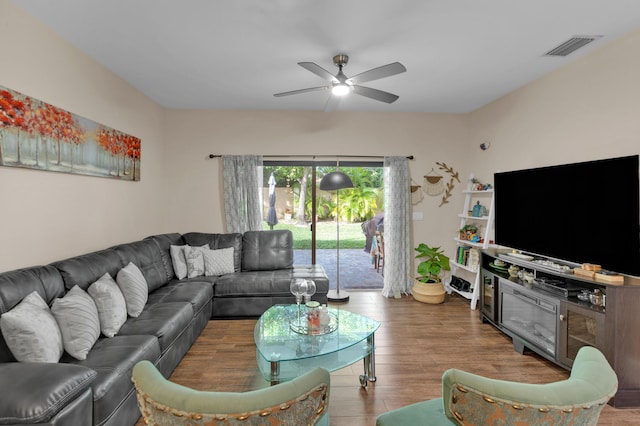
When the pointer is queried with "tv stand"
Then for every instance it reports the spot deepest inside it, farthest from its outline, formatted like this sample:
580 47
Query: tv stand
612 328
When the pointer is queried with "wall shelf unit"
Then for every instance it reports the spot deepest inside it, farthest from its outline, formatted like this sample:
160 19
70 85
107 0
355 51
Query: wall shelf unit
467 256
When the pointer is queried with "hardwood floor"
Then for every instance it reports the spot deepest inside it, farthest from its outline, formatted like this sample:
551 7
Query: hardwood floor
415 344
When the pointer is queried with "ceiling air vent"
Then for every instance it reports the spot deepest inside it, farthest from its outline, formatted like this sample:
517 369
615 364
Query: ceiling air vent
571 45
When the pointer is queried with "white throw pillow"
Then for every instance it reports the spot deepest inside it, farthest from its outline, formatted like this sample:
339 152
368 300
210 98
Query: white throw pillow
179 261
78 320
112 308
31 332
195 261
134 289
218 262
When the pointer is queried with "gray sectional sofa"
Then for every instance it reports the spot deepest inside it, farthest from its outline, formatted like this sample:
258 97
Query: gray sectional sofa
98 390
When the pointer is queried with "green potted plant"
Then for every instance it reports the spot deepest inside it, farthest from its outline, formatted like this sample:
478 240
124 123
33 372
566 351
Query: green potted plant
428 286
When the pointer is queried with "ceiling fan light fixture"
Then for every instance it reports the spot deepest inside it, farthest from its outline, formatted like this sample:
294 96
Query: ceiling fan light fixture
340 89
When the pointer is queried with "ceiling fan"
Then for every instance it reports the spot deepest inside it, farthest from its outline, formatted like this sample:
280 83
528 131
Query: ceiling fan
341 85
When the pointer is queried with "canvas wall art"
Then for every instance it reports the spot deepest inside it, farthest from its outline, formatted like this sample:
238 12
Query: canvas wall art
37 135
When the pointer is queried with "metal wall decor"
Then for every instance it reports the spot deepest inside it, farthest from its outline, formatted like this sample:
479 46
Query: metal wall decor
451 184
37 135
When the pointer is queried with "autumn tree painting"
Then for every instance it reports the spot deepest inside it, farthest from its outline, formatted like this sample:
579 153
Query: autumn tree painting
37 135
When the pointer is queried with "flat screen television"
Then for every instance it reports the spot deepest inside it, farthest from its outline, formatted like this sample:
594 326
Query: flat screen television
582 213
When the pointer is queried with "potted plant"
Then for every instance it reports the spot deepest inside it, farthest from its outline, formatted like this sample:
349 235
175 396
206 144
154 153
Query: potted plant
428 286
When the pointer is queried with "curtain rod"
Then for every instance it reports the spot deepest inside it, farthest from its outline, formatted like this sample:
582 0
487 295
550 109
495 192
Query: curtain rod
409 157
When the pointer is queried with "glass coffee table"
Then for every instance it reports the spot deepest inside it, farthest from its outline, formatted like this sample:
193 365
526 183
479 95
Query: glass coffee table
285 350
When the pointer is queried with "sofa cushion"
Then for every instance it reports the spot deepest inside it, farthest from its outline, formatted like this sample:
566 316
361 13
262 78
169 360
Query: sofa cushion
134 288
198 294
218 262
86 269
113 359
112 308
148 257
77 316
31 331
50 389
267 250
269 283
218 241
256 283
166 321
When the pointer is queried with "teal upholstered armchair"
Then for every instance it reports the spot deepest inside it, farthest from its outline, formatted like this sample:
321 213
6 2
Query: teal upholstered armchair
302 401
469 399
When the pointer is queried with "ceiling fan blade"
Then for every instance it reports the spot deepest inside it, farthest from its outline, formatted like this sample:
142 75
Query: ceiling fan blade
318 70
377 73
376 94
296 92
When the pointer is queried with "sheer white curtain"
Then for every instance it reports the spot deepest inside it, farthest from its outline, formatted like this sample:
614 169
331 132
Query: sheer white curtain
397 227
242 192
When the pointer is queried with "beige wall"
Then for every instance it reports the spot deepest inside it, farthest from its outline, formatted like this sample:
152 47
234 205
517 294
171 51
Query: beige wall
195 180
46 216
585 111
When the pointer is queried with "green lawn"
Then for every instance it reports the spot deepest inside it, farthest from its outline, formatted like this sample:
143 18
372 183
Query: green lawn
351 236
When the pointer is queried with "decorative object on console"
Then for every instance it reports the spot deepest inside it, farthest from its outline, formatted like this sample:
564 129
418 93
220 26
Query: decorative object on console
609 277
311 290
335 181
298 288
26 122
587 270
428 286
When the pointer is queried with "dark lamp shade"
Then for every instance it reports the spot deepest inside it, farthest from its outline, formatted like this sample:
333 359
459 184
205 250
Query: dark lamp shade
335 180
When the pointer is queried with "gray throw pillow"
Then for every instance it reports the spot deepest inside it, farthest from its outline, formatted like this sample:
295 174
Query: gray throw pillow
134 289
31 332
112 308
78 320
195 261
218 262
179 261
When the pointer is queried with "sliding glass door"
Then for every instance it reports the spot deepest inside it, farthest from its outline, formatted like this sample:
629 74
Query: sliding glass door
293 200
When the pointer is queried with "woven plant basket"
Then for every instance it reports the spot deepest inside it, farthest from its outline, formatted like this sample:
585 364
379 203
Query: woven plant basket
432 293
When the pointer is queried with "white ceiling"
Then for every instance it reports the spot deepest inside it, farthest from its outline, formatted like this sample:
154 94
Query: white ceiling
235 54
